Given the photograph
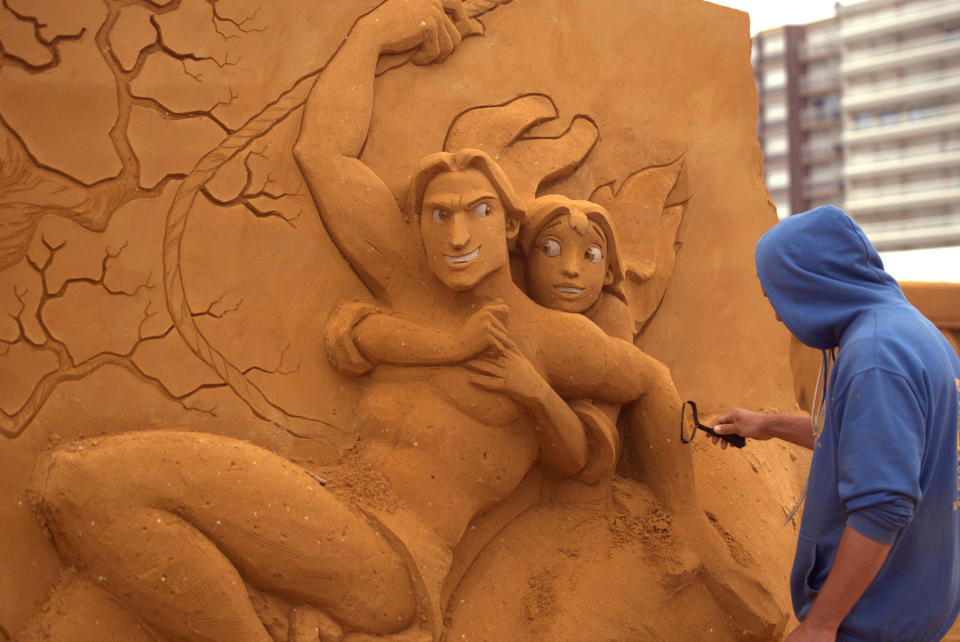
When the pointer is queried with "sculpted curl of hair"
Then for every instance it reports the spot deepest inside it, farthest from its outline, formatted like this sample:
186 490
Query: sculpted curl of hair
432 165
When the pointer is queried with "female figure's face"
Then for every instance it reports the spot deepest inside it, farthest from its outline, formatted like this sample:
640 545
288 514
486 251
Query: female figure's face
566 270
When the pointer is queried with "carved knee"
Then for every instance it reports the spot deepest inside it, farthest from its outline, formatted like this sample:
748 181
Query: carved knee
60 490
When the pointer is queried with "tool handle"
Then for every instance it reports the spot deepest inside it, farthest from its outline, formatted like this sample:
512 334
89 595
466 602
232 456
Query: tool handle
737 441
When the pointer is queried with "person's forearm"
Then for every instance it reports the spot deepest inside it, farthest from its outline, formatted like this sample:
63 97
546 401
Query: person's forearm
797 429
563 438
857 562
337 114
383 338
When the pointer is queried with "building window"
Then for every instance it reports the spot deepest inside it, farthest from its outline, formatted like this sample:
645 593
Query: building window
863 121
773 45
924 111
774 112
777 178
774 78
775 145
889 118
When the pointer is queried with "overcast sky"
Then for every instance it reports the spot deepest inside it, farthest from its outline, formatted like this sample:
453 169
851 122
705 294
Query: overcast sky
766 14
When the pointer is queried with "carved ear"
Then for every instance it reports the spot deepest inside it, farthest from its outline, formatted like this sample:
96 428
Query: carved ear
513 221
608 277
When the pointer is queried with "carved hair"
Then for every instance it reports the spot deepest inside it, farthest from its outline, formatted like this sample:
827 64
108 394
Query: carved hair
432 165
545 209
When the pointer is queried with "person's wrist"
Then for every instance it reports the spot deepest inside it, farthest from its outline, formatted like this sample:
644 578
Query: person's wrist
821 626
766 426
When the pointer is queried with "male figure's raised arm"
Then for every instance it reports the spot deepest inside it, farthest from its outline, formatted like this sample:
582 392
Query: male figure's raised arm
358 210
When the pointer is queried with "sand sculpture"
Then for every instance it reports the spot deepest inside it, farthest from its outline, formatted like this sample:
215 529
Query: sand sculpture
453 377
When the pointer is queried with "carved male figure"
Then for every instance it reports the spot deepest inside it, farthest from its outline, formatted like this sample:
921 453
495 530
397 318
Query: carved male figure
176 539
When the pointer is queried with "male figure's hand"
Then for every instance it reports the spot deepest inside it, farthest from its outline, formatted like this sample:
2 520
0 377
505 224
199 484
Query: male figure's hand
433 27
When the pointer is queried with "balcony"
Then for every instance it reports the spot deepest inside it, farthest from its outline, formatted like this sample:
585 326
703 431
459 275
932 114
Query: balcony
899 19
908 89
902 54
821 187
887 164
931 231
818 50
822 83
903 197
818 116
949 119
820 152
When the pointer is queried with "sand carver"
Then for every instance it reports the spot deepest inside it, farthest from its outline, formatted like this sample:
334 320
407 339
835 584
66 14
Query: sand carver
177 525
879 541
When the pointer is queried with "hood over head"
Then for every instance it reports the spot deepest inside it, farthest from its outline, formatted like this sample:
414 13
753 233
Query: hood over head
820 272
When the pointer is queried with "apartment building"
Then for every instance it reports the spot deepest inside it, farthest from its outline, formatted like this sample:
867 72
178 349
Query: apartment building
901 115
862 110
797 70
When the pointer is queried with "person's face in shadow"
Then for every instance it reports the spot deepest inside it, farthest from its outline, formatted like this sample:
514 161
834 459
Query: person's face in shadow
464 228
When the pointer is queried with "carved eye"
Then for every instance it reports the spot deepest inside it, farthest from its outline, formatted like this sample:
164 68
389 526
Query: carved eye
440 215
550 247
481 210
593 254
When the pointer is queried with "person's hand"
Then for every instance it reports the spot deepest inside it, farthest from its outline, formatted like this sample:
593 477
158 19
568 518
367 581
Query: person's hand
805 633
511 373
751 425
433 27
483 333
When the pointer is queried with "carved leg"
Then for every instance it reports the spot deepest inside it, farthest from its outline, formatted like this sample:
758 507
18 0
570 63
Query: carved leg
173 520
666 465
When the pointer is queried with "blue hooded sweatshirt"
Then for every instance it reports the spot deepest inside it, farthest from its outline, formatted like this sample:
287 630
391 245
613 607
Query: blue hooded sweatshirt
887 460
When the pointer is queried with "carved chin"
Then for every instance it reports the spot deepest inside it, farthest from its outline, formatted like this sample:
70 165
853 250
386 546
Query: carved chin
459 281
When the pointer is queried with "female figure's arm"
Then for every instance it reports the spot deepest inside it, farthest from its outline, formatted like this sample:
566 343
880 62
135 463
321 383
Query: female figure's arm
564 445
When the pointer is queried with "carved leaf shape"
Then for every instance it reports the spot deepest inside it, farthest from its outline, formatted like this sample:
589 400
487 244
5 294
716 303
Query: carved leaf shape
506 133
647 210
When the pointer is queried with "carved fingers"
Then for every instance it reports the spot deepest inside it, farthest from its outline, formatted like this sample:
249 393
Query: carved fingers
510 373
440 37
484 332
465 25
489 374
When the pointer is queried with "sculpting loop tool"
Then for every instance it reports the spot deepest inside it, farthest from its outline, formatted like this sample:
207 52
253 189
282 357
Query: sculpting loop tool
737 441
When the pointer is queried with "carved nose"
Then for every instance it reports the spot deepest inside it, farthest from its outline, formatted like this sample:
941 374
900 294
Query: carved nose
570 267
460 232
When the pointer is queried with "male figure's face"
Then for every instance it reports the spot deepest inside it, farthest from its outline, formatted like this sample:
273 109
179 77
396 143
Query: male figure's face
463 226
566 270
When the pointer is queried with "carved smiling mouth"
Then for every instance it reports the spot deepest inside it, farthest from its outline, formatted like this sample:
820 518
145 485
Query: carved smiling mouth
463 258
568 289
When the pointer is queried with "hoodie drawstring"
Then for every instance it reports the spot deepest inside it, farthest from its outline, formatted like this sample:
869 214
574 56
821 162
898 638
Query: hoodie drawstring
818 416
